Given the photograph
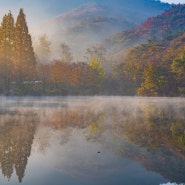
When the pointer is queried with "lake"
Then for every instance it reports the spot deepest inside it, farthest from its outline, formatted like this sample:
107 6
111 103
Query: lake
92 141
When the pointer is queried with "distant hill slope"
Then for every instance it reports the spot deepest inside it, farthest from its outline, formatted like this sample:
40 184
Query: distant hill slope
158 52
167 25
92 22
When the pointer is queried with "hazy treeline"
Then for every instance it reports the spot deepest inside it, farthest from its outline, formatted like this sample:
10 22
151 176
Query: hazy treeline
142 72
156 68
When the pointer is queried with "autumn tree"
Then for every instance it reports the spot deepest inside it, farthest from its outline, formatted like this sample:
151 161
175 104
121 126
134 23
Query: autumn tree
178 69
43 49
25 63
98 69
95 51
154 81
122 83
65 53
59 75
83 77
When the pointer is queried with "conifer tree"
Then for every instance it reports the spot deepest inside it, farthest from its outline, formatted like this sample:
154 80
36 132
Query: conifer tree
25 62
6 51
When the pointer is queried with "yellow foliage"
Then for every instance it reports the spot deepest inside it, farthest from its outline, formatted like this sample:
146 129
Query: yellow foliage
95 65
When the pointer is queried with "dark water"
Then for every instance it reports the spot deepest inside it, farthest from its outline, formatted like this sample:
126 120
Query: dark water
92 141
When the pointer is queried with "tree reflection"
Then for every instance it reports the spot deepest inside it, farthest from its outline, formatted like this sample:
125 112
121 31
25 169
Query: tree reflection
16 136
76 119
89 120
158 127
42 139
160 130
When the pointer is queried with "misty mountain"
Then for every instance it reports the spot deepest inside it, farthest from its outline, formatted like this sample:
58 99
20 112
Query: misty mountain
91 22
167 26
89 18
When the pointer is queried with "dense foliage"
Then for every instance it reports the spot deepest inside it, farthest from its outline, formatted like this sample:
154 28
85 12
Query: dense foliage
70 78
155 68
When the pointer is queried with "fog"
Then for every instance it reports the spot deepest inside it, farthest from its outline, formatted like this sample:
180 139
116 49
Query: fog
82 27
134 107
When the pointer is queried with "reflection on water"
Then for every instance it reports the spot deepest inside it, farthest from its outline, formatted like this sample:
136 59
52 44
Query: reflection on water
92 140
16 137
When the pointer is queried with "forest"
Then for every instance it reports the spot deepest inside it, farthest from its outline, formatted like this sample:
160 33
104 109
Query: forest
154 68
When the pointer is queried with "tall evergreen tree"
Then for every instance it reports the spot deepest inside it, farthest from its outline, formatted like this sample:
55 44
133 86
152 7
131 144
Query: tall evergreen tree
6 51
25 62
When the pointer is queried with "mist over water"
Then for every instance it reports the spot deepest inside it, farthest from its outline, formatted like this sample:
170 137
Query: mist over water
92 140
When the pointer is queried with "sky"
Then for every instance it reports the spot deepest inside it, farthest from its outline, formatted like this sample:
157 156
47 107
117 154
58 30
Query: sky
174 1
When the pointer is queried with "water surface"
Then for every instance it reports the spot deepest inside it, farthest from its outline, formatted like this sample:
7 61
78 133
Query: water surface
92 140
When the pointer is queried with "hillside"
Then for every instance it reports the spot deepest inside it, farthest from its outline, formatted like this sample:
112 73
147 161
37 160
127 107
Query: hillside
90 23
155 68
167 25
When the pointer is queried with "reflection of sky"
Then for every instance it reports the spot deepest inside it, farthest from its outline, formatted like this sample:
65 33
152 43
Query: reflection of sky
78 162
